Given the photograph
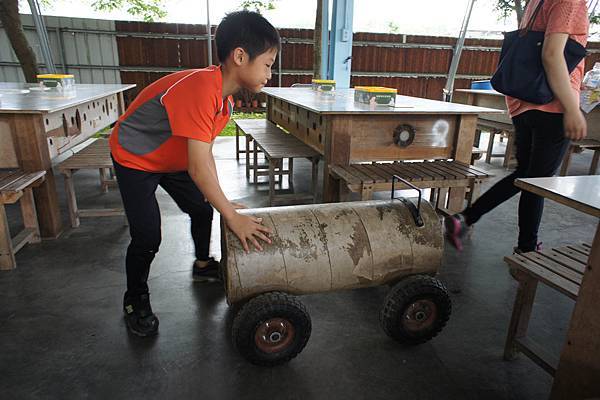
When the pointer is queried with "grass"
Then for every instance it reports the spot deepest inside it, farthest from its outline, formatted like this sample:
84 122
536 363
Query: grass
229 129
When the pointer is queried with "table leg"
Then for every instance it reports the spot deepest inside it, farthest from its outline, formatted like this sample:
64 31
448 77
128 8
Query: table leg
337 152
31 146
579 366
463 148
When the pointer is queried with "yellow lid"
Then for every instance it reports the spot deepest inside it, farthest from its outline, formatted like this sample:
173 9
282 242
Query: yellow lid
323 81
376 89
55 76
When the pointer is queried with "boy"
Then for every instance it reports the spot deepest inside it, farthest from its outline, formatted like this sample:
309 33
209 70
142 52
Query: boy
542 131
165 138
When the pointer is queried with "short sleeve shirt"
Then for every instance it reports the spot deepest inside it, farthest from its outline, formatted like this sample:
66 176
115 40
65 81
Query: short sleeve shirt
556 16
153 133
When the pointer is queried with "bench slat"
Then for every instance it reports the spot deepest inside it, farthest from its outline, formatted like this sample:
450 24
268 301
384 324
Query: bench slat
427 174
410 170
564 260
551 279
9 176
464 167
407 173
379 175
559 269
352 172
580 248
357 171
591 144
455 172
20 181
574 254
383 171
447 174
340 172
95 155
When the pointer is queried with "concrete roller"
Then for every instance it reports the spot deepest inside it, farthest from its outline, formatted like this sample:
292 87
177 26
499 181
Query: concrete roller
326 247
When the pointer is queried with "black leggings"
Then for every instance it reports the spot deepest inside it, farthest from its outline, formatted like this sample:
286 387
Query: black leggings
541 145
138 192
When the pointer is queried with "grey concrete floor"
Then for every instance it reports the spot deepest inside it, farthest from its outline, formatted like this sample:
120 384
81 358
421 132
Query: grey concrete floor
62 334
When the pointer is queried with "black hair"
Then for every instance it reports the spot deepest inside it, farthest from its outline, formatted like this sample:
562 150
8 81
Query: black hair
248 30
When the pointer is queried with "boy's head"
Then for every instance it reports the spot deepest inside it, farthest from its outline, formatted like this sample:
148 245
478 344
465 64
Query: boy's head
248 43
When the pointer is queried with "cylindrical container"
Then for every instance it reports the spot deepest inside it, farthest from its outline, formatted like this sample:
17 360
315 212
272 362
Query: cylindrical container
335 246
375 95
323 85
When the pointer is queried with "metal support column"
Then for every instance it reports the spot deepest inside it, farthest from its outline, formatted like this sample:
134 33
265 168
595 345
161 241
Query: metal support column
42 34
447 95
325 39
209 33
340 49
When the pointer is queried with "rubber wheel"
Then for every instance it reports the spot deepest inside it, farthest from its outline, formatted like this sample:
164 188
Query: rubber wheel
416 309
271 329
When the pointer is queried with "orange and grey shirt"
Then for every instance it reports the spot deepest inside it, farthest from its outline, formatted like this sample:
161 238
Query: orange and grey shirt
153 133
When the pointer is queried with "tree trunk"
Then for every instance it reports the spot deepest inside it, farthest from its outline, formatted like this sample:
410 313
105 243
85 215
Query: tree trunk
519 11
317 42
9 16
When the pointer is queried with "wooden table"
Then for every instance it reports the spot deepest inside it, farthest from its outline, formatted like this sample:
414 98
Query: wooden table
345 132
38 126
493 99
578 373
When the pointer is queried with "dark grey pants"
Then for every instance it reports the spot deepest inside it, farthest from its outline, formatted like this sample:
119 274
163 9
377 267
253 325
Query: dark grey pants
138 192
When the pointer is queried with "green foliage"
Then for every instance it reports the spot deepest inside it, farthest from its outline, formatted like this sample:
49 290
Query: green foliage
258 5
393 27
229 129
149 10
505 8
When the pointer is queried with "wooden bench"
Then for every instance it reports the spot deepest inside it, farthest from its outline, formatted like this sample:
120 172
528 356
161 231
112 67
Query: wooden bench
439 175
265 137
476 154
562 269
578 147
94 156
497 128
510 153
16 185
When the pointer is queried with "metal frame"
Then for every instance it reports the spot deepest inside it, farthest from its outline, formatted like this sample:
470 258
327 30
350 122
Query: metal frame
340 47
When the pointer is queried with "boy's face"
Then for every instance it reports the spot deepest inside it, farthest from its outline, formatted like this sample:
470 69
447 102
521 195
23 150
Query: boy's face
255 74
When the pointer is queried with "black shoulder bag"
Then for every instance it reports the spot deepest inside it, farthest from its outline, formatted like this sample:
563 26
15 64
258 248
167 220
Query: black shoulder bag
520 71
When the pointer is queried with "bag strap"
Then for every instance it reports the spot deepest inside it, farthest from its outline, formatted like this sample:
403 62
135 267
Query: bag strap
534 16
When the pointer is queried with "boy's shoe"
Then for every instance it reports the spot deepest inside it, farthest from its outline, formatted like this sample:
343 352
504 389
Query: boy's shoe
210 273
455 228
139 317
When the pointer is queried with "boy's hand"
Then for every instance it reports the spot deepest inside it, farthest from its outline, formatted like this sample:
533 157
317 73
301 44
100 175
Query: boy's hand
237 206
248 228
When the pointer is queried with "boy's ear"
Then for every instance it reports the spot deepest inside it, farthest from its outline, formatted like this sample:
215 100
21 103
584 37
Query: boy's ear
240 57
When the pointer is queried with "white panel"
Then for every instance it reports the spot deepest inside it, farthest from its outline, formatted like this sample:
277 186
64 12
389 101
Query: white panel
79 49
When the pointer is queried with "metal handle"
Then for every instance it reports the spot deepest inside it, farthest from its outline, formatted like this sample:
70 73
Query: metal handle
416 212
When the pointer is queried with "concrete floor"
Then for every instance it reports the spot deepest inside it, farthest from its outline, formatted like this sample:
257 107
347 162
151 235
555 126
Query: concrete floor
62 334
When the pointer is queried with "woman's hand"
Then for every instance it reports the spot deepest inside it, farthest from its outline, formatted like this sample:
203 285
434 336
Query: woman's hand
237 206
575 125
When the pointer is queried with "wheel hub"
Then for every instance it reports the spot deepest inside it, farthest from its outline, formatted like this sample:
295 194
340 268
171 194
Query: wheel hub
274 335
419 315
